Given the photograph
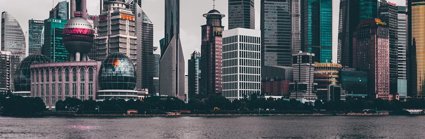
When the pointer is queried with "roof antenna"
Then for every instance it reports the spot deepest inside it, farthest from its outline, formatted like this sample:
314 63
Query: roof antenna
213 4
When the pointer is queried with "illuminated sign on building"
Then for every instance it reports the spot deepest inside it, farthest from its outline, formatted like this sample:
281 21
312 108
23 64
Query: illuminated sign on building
127 17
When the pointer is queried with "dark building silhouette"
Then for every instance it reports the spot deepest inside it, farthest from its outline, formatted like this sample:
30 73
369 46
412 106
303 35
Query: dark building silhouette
241 14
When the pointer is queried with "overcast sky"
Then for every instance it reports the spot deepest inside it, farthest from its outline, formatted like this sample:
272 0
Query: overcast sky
190 16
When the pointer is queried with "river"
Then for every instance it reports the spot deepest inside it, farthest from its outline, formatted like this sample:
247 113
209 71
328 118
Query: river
222 127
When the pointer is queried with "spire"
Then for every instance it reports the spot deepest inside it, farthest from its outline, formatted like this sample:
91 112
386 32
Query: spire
213 4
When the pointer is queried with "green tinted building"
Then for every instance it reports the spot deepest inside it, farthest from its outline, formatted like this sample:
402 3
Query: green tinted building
368 9
53 47
316 26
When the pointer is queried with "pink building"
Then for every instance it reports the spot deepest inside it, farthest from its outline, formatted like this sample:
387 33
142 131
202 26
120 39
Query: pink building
57 81
371 53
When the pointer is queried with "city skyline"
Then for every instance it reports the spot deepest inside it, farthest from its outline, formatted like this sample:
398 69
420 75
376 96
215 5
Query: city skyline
191 17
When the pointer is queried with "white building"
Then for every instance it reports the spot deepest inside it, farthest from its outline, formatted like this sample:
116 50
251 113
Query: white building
241 63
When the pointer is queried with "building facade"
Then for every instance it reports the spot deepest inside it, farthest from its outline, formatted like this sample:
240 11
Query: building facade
22 76
35 36
194 74
416 43
302 87
276 31
147 54
116 31
57 81
171 68
402 51
211 50
354 83
241 14
53 47
61 11
12 36
275 80
371 54
316 24
387 11
241 63
326 75
9 62
296 25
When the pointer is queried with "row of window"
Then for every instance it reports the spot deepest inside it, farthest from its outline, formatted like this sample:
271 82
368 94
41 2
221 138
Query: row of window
44 75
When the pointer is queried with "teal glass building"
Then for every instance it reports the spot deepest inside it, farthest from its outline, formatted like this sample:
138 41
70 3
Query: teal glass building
53 47
316 26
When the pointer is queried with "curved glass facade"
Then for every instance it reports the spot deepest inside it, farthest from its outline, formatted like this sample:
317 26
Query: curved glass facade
117 72
22 76
12 36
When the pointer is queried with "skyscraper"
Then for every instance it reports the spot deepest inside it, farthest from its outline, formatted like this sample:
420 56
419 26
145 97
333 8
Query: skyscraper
351 13
138 13
316 27
194 74
147 54
35 36
116 31
61 11
276 32
12 36
371 54
241 63
388 13
303 77
211 50
53 47
171 69
296 26
417 40
402 51
241 14
9 63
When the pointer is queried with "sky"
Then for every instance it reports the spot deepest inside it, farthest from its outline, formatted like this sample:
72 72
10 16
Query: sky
191 18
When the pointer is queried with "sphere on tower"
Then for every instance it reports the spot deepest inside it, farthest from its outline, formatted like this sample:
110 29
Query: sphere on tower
78 36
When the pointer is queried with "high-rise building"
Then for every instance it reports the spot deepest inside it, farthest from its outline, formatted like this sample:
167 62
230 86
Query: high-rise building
148 56
351 13
61 11
316 24
302 87
12 36
387 11
276 31
416 50
172 66
35 36
371 54
9 62
241 63
139 16
155 83
194 74
241 14
402 51
211 51
116 31
296 25
53 47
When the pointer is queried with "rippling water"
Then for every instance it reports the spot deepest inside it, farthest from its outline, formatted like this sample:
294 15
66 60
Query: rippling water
235 127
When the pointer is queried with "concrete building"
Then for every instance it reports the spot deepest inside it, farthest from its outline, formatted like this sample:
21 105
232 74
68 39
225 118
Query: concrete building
12 36
116 31
276 31
371 54
22 76
302 87
9 62
172 63
194 74
402 51
211 50
241 14
276 80
241 63
35 36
